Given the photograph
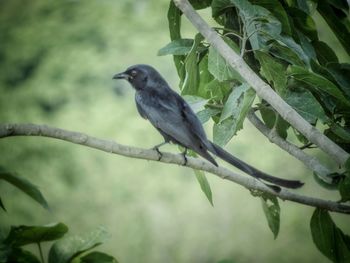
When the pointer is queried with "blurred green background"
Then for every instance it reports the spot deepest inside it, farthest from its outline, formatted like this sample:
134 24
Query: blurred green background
57 61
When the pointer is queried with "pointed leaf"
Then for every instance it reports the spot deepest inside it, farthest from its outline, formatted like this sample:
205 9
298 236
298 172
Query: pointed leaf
64 250
306 105
177 47
324 53
317 82
233 114
205 186
273 71
219 67
24 185
328 238
344 189
23 235
2 205
272 212
191 81
98 257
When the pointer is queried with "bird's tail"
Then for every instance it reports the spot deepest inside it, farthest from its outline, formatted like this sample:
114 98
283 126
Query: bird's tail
226 156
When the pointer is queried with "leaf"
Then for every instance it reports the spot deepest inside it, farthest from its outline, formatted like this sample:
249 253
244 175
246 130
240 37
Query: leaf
285 53
191 81
303 22
205 77
337 25
2 205
24 185
200 4
206 114
272 212
23 235
317 82
205 186
276 8
344 189
341 74
174 21
306 105
98 257
273 71
324 53
19 255
295 47
328 238
177 47
233 114
197 103
219 67
64 250
273 120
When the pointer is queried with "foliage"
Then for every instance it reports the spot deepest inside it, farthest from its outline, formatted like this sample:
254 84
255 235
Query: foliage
64 249
279 41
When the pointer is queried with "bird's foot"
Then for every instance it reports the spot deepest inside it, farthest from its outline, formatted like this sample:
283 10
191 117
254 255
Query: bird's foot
184 156
160 155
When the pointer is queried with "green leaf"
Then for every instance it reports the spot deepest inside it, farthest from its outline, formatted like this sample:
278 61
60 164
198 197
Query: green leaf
324 53
317 82
295 47
273 71
197 103
274 121
191 81
347 164
205 186
338 26
23 235
64 250
341 74
306 105
177 47
25 186
303 22
223 131
205 77
19 255
344 189
219 67
285 53
328 238
276 8
200 4
272 212
98 257
233 114
2 205
260 25
174 21
206 114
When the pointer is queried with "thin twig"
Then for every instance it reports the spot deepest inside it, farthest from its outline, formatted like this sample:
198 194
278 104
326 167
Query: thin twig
309 161
7 130
263 89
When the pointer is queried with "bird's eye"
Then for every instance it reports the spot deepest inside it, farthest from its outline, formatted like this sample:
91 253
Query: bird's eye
133 73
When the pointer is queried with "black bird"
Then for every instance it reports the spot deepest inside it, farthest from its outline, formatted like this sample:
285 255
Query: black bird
170 114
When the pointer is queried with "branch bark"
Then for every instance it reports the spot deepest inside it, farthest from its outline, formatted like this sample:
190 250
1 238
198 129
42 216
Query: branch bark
310 162
8 130
263 89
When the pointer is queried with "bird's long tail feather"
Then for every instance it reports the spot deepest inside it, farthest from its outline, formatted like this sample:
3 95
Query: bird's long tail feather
226 156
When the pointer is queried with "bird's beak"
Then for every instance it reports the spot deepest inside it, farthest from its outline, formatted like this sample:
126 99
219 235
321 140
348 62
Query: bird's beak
121 75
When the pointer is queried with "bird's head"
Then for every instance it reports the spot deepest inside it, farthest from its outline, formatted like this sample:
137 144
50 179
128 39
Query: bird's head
137 75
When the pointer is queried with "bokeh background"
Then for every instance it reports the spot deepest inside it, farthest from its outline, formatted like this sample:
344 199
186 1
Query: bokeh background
57 59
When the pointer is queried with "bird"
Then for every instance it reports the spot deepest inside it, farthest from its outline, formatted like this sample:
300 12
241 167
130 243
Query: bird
174 119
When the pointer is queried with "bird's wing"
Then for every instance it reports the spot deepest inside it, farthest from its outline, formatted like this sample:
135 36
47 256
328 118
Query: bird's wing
173 116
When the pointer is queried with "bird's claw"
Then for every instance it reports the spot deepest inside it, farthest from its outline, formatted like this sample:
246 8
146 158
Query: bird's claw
160 155
185 158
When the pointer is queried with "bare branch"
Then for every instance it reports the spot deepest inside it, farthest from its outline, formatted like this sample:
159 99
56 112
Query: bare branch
262 88
7 130
311 162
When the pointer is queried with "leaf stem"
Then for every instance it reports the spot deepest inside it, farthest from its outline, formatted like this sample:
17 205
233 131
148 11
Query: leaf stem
41 252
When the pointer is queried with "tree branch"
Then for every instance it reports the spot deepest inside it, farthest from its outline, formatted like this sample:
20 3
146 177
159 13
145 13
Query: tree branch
7 130
311 162
262 88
